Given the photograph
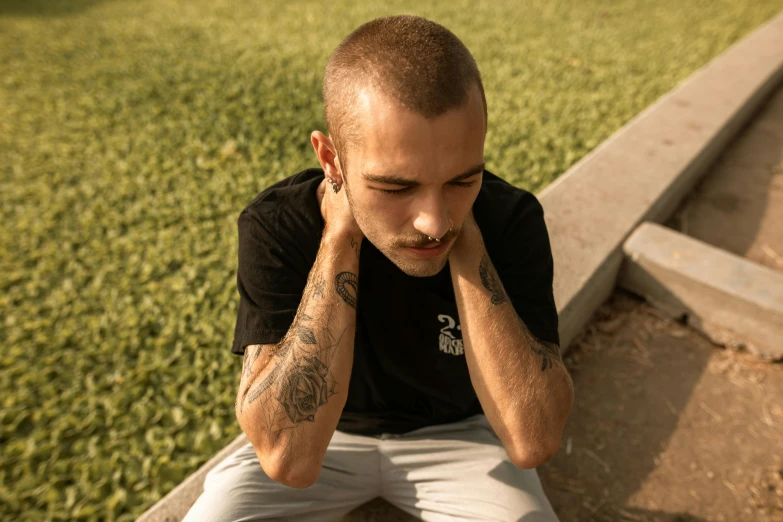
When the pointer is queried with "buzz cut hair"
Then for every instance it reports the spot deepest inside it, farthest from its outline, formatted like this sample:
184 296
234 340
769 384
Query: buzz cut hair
414 61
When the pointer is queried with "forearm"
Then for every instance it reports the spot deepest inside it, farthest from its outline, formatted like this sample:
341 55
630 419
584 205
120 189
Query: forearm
521 382
291 395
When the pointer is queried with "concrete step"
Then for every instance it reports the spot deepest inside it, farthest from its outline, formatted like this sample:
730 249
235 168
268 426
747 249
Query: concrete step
712 289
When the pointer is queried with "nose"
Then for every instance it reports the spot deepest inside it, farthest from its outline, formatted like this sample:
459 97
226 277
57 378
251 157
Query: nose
432 219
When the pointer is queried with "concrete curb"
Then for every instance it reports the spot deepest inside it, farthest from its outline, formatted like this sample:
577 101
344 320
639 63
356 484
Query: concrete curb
709 286
642 172
175 505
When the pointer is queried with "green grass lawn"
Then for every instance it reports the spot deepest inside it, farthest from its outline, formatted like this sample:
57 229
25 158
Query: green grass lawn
133 132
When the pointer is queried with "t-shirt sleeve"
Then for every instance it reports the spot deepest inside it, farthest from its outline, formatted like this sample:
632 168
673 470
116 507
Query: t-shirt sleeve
527 269
269 285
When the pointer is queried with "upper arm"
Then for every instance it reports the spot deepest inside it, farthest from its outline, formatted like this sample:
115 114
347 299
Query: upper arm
271 277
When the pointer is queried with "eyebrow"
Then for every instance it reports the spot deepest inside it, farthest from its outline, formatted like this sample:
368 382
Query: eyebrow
399 180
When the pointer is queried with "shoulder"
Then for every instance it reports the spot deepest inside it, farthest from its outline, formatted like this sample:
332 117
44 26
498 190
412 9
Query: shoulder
288 207
284 220
501 207
294 194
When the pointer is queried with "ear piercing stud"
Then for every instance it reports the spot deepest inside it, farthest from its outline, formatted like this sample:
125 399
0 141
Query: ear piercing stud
335 186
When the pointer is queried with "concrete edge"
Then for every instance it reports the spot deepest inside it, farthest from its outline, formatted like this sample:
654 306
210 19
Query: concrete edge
643 171
580 292
707 286
668 97
174 506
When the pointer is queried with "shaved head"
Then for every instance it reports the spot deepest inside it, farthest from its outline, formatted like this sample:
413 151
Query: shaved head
415 62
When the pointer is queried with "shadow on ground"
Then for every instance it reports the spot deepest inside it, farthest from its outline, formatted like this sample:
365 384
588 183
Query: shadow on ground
630 386
738 206
666 427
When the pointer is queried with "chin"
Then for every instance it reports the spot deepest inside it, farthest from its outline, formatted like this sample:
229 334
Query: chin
419 267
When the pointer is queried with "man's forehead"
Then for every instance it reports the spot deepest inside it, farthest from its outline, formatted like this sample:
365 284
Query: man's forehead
388 139
396 177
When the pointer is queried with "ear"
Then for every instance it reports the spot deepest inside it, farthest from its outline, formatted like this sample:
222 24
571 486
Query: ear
327 155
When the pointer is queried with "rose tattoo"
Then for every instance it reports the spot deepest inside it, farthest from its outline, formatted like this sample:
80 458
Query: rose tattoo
305 390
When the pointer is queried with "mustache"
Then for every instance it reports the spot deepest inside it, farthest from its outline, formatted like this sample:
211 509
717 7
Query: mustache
421 241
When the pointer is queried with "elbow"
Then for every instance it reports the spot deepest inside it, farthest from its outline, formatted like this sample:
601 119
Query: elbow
530 456
292 477
539 446
296 473
296 468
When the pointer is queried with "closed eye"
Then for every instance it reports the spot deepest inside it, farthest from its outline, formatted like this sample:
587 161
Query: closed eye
463 184
400 191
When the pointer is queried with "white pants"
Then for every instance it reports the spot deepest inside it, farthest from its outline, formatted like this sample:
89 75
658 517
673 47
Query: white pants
448 472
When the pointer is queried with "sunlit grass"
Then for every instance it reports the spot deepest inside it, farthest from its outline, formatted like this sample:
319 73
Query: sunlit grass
133 133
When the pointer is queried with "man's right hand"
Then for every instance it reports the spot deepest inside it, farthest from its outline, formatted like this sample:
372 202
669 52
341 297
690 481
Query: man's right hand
337 212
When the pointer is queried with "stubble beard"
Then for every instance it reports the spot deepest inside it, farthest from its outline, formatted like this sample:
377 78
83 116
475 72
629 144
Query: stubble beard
407 263
418 267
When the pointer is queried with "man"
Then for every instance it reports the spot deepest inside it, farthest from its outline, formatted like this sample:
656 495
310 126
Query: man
396 312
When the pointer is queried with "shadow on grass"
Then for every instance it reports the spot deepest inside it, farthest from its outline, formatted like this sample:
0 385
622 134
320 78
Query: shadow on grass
46 8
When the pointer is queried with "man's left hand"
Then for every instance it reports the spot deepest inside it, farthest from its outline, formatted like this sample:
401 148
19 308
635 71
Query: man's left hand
469 240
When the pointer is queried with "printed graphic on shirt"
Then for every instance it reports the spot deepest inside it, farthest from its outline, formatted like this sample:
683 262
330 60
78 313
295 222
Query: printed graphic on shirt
448 340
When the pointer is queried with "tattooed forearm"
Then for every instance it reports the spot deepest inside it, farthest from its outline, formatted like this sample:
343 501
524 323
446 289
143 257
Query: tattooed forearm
347 286
305 388
251 354
549 352
302 378
284 400
306 335
356 246
490 280
251 394
318 288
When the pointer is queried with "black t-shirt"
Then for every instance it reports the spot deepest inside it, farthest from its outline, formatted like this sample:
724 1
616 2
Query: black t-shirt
409 368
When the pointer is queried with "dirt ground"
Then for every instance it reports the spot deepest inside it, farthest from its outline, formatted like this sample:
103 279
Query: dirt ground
738 206
666 427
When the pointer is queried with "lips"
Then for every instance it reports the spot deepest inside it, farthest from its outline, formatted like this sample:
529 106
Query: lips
429 251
